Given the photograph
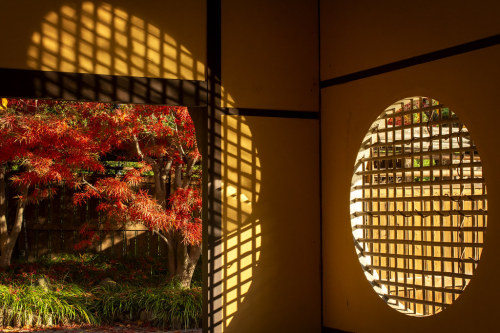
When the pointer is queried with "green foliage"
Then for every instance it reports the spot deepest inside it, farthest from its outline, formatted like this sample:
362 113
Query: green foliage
87 270
113 166
166 307
26 305
426 162
75 296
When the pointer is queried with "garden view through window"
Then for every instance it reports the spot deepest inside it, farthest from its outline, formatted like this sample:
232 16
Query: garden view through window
418 206
100 213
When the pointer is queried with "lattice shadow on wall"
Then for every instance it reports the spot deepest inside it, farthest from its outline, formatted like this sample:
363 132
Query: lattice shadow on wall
418 206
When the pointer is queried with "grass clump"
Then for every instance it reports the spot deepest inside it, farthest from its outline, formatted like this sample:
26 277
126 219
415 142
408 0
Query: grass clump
29 305
165 307
70 289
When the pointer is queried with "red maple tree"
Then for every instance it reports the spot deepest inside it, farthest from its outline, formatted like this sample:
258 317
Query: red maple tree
162 139
60 143
44 151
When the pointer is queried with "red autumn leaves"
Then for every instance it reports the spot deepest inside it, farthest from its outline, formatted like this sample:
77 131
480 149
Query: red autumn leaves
50 144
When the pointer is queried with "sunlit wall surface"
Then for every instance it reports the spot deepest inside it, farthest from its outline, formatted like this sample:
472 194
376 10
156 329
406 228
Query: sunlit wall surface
96 37
241 233
100 38
418 206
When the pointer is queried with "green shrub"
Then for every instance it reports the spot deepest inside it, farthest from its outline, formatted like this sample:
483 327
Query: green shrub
27 305
163 306
74 293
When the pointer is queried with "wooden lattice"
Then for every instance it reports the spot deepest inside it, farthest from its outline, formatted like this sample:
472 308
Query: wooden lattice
418 206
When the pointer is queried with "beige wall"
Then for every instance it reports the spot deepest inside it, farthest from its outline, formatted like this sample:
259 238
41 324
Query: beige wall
270 226
469 85
362 34
270 61
270 54
135 38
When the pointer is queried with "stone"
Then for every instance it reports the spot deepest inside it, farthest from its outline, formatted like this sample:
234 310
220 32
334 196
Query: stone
108 282
146 316
43 283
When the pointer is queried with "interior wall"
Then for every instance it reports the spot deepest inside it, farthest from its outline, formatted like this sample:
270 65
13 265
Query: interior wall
162 39
468 84
270 63
270 262
358 35
270 54
269 249
270 225
362 35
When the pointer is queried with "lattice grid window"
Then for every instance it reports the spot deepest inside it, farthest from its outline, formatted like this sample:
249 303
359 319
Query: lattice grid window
418 206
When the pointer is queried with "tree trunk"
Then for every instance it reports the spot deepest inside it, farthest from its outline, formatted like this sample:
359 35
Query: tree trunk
8 247
3 207
191 254
182 260
172 255
189 172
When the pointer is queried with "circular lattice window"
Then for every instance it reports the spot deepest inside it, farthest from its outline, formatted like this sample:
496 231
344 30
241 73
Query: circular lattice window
418 206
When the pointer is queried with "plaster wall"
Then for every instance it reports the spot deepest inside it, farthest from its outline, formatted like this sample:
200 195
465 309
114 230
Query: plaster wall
165 39
468 84
269 61
270 54
270 226
358 35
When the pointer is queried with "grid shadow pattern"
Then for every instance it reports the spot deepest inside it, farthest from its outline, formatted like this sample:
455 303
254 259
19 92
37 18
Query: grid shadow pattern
98 52
236 243
103 39
418 206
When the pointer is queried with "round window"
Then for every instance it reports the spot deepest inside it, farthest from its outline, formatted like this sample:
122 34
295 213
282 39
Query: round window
418 206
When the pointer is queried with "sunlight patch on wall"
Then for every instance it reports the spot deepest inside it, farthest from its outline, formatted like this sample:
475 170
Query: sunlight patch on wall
418 206
102 39
241 232
226 100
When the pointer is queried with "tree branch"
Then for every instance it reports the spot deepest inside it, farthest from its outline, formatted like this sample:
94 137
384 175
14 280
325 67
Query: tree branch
168 165
141 154
189 171
162 236
178 176
159 189
89 185
179 146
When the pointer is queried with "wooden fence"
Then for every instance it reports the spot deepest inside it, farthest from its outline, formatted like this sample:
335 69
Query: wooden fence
36 242
52 226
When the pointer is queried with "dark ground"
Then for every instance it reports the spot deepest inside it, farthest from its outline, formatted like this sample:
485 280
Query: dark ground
100 329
